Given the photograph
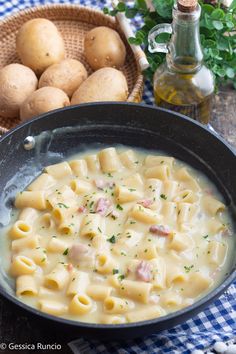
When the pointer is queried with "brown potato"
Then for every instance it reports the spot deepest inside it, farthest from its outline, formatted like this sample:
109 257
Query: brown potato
17 82
43 100
103 47
39 44
105 84
67 75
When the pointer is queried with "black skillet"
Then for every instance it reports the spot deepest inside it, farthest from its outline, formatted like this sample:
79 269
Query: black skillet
70 130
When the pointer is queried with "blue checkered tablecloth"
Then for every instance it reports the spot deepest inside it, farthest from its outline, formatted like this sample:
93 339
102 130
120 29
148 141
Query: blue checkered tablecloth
217 323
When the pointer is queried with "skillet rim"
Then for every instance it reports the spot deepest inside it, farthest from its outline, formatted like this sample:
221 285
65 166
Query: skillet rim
196 307
110 103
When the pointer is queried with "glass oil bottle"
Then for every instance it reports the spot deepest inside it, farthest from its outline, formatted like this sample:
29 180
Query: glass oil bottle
183 83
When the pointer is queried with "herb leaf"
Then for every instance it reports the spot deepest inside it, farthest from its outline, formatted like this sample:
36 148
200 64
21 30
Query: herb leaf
188 268
112 239
62 205
217 32
65 253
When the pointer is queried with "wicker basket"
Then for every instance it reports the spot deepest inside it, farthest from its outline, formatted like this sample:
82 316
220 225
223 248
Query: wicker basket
73 21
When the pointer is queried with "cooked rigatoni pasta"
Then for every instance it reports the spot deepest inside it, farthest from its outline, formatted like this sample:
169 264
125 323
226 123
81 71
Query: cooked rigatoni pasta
20 229
30 242
118 236
78 283
26 285
43 182
79 167
31 199
59 170
52 307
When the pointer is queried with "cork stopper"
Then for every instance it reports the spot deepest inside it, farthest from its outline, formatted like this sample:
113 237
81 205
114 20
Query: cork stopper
187 5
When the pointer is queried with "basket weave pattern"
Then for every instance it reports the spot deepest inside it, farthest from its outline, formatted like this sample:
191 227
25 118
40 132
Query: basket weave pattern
73 21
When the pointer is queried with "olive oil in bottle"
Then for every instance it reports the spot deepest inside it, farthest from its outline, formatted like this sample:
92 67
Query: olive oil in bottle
183 83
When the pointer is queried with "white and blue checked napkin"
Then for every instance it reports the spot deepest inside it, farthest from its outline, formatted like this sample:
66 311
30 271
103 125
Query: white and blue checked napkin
217 323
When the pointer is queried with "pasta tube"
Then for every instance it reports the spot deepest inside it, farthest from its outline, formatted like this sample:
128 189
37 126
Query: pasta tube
80 304
26 285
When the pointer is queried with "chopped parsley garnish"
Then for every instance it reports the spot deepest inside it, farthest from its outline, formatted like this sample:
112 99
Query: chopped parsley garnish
65 253
132 189
206 236
112 239
119 207
188 268
62 205
91 204
109 174
115 271
163 196
99 230
121 277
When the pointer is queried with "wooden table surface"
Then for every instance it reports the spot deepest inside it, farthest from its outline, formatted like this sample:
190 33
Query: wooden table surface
17 327
224 115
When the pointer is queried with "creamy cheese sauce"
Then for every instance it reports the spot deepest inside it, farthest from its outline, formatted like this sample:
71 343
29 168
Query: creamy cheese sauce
116 236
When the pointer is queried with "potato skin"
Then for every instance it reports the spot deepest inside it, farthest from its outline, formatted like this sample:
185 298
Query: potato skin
67 75
103 47
17 82
106 84
43 100
39 44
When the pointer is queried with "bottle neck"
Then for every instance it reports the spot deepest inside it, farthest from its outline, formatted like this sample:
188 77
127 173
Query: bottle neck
185 52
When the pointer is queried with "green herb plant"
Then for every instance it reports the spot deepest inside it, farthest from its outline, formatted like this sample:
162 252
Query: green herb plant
217 30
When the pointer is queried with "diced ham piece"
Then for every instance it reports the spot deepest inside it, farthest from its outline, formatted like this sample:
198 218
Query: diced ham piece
82 255
102 206
78 251
160 230
226 232
208 191
143 271
214 273
154 299
82 209
145 203
70 267
110 184
114 214
100 183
